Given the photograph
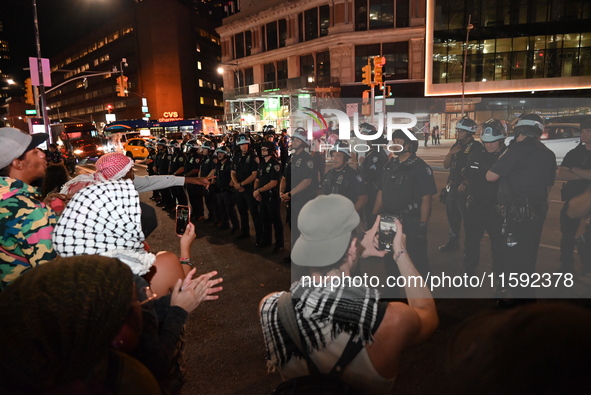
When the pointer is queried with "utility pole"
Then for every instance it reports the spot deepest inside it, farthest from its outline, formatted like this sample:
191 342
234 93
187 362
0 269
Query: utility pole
42 103
468 28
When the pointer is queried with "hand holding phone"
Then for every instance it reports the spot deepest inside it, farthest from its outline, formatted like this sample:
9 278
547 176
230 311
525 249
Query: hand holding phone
183 215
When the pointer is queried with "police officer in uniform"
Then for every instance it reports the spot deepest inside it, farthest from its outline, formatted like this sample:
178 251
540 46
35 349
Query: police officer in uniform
525 172
208 164
455 202
162 166
371 168
267 193
406 191
226 199
482 212
576 170
177 168
244 172
195 192
296 186
342 178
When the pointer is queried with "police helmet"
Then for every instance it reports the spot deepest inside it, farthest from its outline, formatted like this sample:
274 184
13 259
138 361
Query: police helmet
531 125
223 150
161 142
192 144
270 146
467 125
242 139
341 146
301 134
412 145
492 130
173 143
207 144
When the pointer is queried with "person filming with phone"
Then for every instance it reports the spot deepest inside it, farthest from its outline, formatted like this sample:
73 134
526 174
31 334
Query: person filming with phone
344 330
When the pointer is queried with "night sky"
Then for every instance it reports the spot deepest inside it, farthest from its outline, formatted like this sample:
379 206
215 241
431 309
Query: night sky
61 23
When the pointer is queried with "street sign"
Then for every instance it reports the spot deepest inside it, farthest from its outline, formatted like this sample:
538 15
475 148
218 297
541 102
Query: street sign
31 112
34 65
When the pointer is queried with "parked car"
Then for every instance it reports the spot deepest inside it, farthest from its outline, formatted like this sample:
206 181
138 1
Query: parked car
135 148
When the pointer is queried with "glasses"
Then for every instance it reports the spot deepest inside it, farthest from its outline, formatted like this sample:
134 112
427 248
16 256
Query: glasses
264 149
147 295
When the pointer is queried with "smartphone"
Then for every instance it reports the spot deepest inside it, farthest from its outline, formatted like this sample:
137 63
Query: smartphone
387 232
183 215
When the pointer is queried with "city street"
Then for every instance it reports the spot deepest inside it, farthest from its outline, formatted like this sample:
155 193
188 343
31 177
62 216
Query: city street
225 350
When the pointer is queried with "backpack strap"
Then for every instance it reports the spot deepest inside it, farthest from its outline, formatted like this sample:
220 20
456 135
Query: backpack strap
288 318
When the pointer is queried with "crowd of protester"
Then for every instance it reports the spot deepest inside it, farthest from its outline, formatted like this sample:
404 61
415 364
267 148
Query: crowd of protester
87 308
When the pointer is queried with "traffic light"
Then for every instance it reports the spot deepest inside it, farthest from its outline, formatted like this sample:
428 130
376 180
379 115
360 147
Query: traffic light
29 97
365 97
366 74
121 86
377 74
109 108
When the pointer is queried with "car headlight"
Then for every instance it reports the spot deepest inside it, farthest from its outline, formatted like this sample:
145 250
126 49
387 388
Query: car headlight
101 148
78 151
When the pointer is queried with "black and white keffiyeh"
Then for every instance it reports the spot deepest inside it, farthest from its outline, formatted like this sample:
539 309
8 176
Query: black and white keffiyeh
321 315
104 219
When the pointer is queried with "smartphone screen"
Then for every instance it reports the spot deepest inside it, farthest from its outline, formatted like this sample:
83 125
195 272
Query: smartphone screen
387 232
183 214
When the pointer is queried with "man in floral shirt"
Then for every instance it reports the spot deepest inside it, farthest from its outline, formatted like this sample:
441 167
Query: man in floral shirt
26 223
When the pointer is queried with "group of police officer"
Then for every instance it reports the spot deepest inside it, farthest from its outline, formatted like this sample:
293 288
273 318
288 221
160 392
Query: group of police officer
494 188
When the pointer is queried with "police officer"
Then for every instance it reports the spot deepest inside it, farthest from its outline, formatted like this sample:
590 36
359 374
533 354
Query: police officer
208 164
481 207
177 168
267 193
406 191
162 166
192 168
525 172
371 168
455 202
296 184
226 199
342 178
284 143
576 170
244 172
151 167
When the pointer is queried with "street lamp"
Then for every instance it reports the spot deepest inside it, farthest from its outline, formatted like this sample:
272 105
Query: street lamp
468 28
236 89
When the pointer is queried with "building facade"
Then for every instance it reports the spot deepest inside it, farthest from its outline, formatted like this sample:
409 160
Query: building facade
278 55
160 47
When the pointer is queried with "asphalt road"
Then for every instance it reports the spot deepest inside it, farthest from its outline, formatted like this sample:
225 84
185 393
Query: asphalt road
225 350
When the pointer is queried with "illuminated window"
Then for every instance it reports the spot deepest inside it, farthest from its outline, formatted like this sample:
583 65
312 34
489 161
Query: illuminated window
199 65
200 83
201 100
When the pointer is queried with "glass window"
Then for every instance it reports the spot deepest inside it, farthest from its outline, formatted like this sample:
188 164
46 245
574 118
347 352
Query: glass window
269 71
311 24
282 32
586 40
360 15
381 14
248 76
239 45
518 65
282 70
307 65
323 65
396 54
503 45
248 42
271 30
402 13
324 11
571 40
521 44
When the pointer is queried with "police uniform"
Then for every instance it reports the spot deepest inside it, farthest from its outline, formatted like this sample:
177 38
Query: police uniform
163 159
300 168
211 201
371 172
578 157
244 165
347 182
455 202
482 212
177 161
527 169
403 186
225 196
270 204
195 192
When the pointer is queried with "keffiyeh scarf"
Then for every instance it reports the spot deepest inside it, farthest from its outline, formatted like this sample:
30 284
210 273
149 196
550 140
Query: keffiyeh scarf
104 219
321 315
